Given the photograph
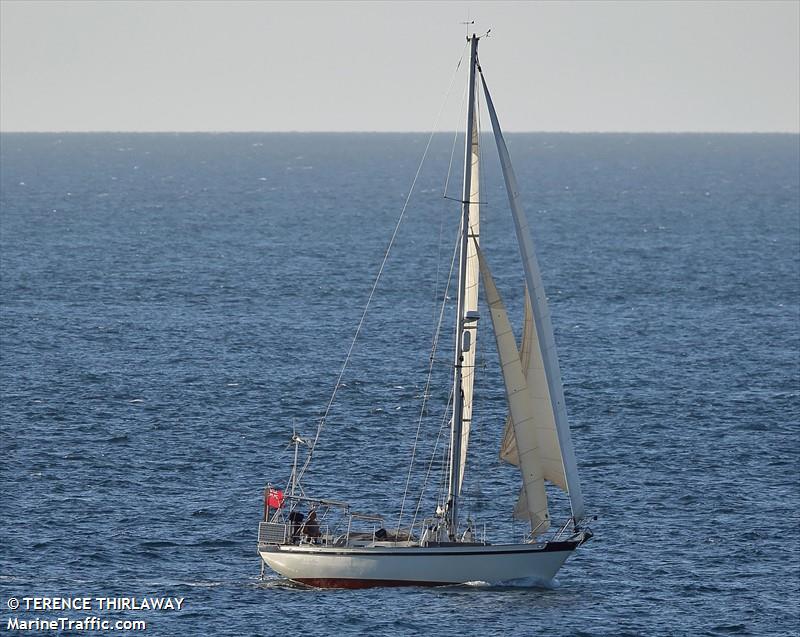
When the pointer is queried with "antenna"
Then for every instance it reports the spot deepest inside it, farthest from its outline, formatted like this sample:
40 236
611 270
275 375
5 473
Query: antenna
467 23
296 441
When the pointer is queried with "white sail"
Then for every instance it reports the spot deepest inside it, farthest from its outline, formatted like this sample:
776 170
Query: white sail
508 447
470 299
541 314
523 407
544 420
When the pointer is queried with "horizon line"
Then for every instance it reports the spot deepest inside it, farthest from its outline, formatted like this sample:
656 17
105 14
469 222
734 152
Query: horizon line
395 132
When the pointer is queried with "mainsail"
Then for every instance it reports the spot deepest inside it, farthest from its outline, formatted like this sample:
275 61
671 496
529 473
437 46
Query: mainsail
470 299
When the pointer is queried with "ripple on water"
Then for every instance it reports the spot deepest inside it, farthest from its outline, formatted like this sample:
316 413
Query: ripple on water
160 342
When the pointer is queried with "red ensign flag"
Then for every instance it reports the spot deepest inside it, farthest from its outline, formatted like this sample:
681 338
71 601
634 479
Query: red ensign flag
275 499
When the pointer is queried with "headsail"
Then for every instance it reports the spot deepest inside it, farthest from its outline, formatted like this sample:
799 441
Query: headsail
523 407
541 315
470 298
544 420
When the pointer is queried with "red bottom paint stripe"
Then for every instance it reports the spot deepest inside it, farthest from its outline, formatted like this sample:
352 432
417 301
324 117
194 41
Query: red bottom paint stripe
341 582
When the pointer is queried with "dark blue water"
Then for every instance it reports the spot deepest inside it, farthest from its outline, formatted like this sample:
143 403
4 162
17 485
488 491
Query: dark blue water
171 303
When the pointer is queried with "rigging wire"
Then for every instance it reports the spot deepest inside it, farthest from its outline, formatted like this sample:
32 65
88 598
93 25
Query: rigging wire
321 424
442 495
453 149
444 191
436 337
430 464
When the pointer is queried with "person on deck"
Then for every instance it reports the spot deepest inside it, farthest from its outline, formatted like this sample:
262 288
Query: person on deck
296 518
311 527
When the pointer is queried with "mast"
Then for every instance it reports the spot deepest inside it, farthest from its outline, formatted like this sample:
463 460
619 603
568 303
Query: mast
457 421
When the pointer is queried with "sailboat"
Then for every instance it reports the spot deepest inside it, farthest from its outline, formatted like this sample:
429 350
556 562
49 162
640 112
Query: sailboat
325 543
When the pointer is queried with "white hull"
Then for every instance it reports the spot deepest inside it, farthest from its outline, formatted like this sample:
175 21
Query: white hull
334 567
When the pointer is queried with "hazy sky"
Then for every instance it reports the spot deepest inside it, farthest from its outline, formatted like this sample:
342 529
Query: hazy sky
338 66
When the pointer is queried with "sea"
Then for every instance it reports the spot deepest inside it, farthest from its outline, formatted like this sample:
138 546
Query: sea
174 306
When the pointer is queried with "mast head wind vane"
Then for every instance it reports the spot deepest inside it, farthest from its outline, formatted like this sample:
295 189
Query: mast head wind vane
474 35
